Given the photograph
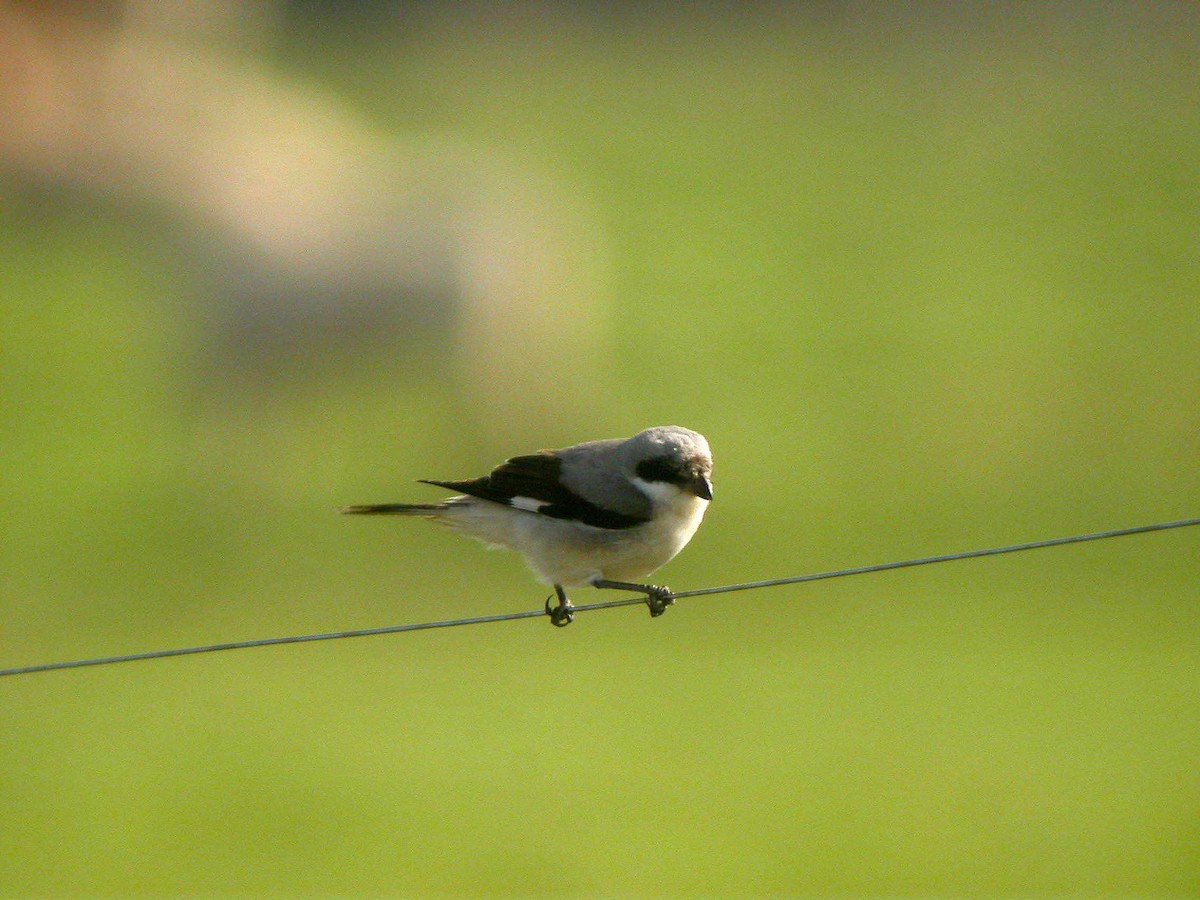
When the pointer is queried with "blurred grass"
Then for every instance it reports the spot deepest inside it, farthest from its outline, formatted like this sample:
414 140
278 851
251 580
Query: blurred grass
925 287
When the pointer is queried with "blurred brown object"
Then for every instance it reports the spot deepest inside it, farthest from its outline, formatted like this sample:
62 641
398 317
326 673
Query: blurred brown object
301 223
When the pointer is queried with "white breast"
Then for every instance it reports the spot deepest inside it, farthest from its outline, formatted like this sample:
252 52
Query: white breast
568 553
631 554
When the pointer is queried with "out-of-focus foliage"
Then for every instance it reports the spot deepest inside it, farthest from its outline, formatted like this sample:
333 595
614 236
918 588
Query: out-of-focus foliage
928 280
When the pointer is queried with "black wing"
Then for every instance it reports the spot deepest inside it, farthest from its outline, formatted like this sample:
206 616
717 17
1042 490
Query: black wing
532 483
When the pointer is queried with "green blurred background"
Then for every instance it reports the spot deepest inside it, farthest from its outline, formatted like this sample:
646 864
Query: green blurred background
928 278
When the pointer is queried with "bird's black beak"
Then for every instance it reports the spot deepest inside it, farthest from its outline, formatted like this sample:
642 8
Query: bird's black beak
702 487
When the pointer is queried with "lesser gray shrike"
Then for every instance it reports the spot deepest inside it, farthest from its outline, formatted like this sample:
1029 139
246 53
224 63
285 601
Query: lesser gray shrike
602 513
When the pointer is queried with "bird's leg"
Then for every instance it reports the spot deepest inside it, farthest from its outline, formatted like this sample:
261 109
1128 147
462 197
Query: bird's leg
563 614
657 598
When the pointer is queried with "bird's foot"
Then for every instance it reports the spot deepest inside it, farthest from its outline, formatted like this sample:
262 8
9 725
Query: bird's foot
658 599
562 615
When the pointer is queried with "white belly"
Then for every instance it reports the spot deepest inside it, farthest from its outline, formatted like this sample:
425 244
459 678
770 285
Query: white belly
588 554
570 554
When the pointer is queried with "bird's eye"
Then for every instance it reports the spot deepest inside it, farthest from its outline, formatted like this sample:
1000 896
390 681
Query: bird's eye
660 468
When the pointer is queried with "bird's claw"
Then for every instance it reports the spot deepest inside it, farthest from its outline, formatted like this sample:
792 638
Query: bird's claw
562 615
658 599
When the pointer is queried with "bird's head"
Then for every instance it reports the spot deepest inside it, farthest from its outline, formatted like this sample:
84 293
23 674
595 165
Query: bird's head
669 457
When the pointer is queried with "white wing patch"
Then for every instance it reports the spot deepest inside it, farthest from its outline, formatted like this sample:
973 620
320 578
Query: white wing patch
527 503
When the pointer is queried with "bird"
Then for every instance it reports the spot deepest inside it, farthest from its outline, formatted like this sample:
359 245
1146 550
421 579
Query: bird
604 514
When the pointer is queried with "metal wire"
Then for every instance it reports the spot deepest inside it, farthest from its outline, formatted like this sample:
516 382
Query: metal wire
610 604
948 557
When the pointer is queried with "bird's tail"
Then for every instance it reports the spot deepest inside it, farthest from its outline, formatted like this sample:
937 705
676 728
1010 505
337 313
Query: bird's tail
394 509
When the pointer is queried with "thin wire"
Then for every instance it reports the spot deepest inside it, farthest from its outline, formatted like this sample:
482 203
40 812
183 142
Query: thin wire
610 604
948 557
269 642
